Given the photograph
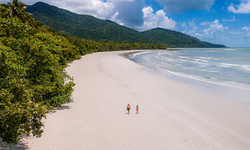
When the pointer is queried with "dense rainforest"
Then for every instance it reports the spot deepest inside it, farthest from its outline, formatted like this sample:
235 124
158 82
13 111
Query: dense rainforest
33 58
91 28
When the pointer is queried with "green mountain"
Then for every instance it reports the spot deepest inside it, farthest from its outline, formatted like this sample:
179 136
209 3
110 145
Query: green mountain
91 28
173 38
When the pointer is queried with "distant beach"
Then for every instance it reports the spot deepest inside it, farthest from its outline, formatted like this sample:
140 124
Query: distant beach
172 114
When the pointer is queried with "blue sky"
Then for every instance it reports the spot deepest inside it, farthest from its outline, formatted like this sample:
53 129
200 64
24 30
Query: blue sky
217 21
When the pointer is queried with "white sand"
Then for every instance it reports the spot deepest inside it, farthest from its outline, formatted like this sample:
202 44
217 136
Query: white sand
172 115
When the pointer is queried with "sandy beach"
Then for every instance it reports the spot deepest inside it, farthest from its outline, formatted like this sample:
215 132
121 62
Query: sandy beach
172 115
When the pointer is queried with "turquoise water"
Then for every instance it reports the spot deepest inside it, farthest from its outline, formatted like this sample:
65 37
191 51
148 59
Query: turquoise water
223 66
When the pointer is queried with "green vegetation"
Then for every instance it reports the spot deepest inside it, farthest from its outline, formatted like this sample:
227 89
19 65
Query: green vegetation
16 9
89 46
177 39
32 77
91 28
33 59
83 26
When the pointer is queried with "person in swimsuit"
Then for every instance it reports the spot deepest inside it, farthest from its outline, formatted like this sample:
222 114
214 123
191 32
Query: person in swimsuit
137 108
128 108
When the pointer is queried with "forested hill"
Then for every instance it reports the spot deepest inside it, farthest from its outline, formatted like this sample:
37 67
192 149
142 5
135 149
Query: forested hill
91 28
84 26
172 38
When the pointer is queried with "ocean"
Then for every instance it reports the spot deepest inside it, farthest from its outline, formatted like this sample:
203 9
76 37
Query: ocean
227 68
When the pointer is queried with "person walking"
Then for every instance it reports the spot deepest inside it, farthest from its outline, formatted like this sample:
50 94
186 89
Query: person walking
137 109
128 108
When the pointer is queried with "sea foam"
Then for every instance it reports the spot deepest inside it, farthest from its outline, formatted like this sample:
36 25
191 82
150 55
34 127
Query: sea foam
227 67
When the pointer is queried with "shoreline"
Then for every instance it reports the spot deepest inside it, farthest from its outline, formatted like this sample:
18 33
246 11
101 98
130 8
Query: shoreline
172 115
220 86
126 54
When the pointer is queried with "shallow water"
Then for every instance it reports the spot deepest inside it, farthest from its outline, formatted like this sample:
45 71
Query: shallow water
212 68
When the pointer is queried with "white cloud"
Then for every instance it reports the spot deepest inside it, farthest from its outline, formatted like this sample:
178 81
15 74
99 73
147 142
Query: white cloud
184 25
194 27
215 29
192 24
129 12
220 34
114 18
98 8
215 33
181 6
187 30
245 28
246 31
242 8
233 19
205 23
126 12
95 8
198 35
159 19
233 32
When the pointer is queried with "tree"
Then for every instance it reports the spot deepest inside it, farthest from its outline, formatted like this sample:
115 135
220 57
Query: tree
13 27
32 77
18 115
4 12
16 9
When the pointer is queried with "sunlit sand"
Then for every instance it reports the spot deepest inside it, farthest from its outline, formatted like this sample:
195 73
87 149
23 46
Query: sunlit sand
172 115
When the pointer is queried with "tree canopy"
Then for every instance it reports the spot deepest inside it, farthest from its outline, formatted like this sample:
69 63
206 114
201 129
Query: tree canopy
16 9
32 78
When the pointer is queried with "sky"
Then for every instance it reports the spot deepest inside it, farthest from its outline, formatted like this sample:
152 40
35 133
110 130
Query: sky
217 21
